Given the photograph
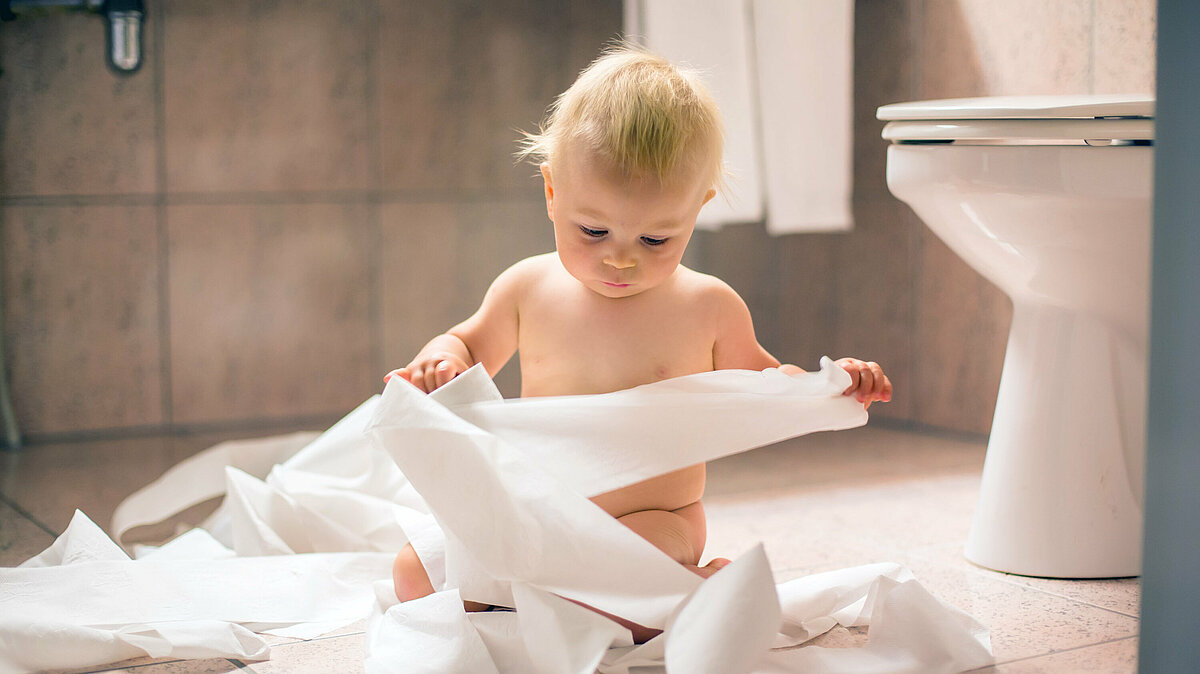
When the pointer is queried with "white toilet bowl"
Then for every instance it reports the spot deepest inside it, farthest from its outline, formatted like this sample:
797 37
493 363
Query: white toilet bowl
1050 199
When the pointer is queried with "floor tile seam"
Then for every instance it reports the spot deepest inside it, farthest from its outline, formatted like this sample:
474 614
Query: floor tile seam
326 637
1063 650
1004 579
8 501
979 573
1007 579
118 667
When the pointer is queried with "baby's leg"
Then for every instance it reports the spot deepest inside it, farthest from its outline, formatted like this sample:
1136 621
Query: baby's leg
409 575
412 581
679 533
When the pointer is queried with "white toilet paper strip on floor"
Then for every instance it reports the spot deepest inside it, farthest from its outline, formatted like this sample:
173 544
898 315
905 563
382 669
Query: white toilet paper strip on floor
96 605
499 488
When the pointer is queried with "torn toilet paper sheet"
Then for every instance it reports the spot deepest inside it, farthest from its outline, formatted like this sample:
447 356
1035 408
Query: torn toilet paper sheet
456 473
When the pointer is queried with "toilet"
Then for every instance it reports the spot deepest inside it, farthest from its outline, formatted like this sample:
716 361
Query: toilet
1049 198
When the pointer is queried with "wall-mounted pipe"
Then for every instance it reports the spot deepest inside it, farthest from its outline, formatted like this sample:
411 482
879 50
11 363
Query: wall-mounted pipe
124 20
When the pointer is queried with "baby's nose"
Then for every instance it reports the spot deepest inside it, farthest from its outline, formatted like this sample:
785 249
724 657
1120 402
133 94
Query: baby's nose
620 261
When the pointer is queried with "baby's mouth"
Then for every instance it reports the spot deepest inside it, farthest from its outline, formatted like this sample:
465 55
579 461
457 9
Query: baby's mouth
616 285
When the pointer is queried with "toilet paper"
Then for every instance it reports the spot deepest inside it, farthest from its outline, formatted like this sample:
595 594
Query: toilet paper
304 545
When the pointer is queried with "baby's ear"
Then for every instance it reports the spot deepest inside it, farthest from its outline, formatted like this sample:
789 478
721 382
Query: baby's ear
712 192
549 185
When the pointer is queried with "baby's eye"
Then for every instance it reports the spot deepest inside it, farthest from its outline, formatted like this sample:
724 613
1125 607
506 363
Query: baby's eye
594 233
651 241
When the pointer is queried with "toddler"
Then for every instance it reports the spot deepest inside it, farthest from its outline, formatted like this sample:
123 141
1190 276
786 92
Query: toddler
629 154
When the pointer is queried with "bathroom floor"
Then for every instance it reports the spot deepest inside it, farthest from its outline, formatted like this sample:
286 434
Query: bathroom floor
818 503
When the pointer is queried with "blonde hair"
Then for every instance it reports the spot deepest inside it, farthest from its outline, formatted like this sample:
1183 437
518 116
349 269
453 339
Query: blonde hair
639 112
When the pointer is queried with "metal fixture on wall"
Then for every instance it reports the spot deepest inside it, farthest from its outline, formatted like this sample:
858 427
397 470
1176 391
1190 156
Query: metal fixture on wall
123 19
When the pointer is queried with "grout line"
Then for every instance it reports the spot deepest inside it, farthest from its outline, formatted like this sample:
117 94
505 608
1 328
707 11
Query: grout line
1008 578
1013 579
6 500
160 215
374 76
313 422
324 637
227 198
916 35
915 248
375 180
1055 652
126 668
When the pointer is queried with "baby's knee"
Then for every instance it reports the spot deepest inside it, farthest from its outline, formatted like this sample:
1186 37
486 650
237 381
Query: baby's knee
409 575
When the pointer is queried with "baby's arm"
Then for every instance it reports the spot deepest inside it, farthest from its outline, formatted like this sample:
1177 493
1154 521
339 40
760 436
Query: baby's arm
489 337
737 348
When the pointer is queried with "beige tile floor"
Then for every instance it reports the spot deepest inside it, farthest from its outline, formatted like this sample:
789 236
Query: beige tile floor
817 503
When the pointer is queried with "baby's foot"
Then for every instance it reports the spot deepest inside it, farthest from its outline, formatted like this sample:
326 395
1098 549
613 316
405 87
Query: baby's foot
709 569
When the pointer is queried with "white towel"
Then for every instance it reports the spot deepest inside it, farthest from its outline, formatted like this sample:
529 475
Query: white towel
781 71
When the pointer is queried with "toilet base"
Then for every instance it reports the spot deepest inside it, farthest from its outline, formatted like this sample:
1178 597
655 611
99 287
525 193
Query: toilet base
1061 494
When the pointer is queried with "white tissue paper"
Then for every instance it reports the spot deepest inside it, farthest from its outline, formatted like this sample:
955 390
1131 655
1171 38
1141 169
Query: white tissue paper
493 496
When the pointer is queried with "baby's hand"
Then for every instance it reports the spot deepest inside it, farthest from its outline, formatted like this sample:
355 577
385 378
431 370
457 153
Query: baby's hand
868 383
431 371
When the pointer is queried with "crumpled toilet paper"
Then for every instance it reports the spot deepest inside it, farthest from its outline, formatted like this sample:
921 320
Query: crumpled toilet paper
493 495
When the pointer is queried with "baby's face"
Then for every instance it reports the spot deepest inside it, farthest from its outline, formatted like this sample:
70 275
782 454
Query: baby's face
619 237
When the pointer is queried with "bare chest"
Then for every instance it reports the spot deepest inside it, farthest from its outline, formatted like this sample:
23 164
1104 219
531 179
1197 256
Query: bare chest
578 344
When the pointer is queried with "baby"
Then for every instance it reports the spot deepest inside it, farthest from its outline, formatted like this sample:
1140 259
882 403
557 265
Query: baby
629 155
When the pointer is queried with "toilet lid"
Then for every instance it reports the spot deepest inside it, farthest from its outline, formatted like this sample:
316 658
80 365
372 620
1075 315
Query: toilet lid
1023 120
1024 107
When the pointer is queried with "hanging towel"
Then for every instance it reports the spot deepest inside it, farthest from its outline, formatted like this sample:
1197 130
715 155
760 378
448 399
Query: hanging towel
781 70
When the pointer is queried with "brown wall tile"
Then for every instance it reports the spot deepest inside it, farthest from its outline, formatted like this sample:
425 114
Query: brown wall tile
743 256
807 307
874 266
265 96
885 64
278 97
438 261
593 24
81 316
69 125
458 79
269 310
419 277
962 326
1126 37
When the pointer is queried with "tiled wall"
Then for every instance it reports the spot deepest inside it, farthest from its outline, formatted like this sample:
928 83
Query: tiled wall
286 201
890 290
292 196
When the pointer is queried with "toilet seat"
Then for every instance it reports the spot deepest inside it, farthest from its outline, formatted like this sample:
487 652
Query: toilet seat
1099 120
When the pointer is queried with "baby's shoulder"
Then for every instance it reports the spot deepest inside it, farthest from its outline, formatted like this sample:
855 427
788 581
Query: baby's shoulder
529 269
528 272
704 288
